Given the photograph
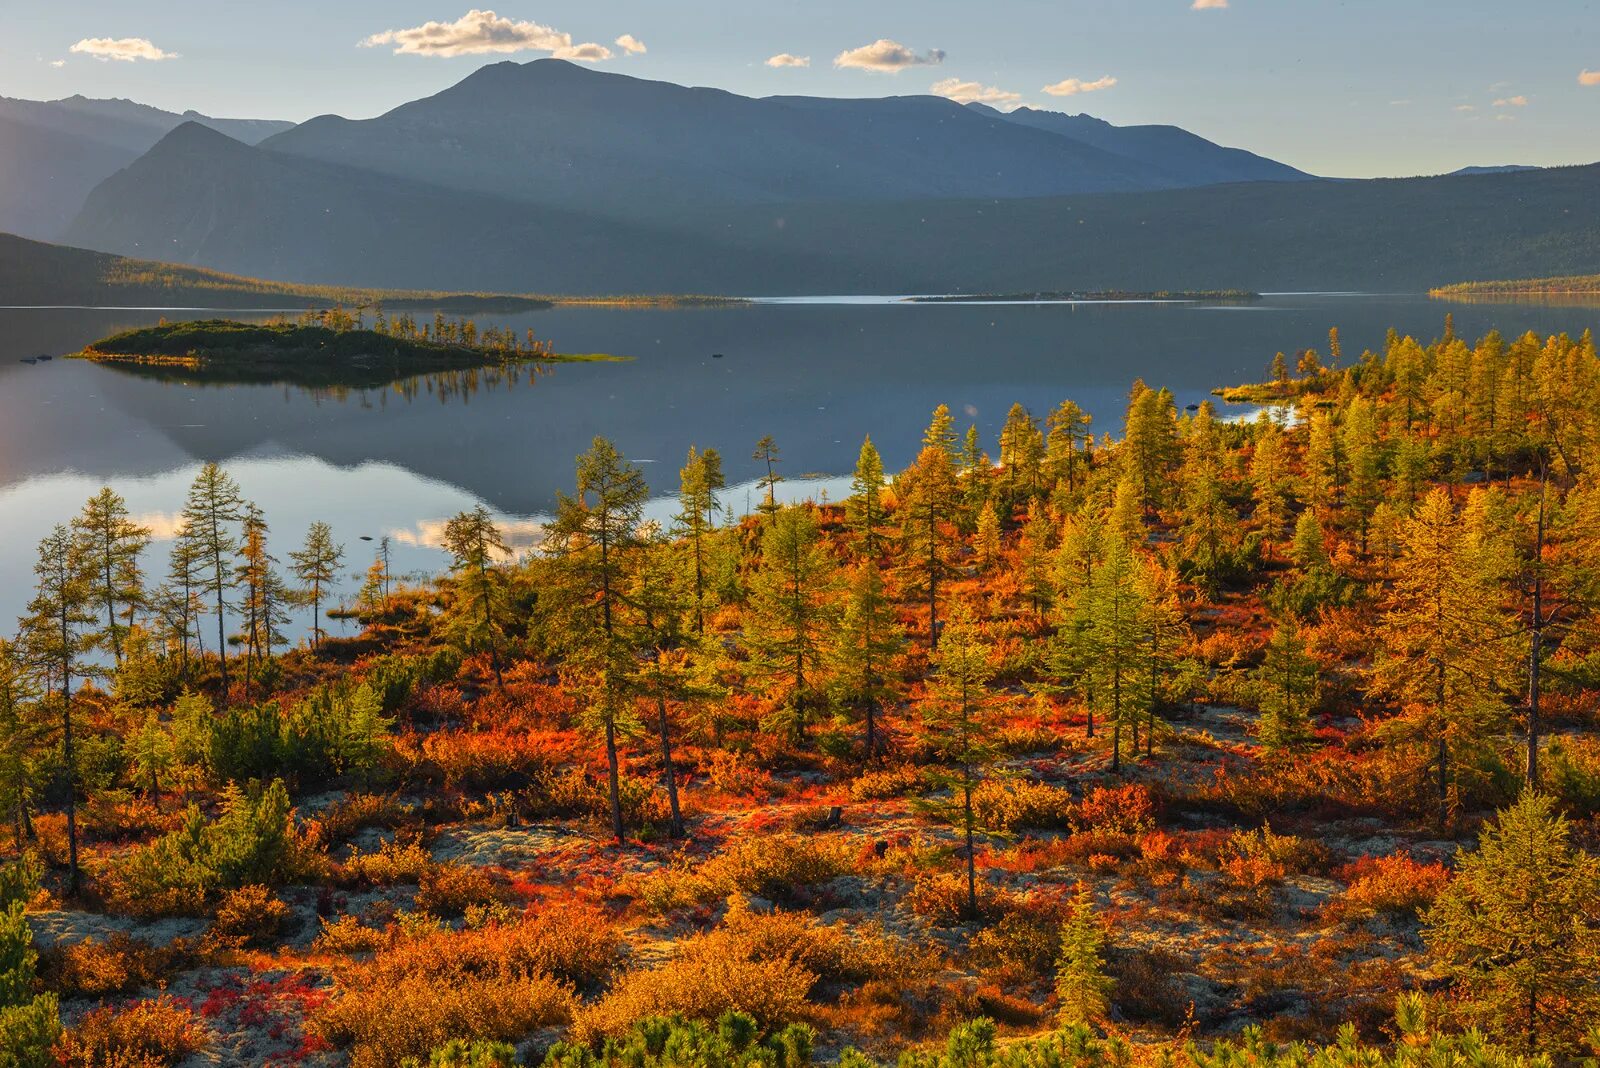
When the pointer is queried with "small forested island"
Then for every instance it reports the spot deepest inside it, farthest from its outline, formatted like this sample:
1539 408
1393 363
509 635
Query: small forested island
1092 295
1584 286
1268 742
327 347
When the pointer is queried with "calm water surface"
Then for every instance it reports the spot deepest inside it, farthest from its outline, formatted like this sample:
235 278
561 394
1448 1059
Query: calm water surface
817 374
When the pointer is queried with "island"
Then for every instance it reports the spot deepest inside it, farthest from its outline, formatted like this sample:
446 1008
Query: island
1578 287
333 347
1090 296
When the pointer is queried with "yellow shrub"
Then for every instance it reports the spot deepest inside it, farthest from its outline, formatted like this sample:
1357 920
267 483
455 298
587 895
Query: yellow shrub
451 889
701 983
249 916
768 867
1012 804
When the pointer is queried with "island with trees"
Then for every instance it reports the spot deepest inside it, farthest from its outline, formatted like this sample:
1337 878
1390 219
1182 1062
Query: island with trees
1220 742
333 346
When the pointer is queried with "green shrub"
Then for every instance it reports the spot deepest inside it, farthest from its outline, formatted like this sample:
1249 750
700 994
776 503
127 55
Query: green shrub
29 1023
253 841
672 1042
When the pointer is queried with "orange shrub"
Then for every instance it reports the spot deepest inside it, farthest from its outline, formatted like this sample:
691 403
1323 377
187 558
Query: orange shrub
1126 809
141 1034
1394 884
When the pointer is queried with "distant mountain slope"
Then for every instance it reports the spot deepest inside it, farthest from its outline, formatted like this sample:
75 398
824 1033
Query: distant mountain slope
1187 159
200 198
53 152
562 135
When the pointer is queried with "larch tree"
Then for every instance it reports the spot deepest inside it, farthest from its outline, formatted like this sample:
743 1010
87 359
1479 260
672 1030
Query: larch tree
57 634
1444 653
662 675
956 718
792 617
213 507
316 566
1208 533
1036 558
1518 930
1166 630
1286 687
1022 453
1149 441
1068 427
768 453
1114 638
479 605
986 545
1269 482
926 530
698 482
865 508
865 646
592 541
263 596
22 734
112 544
1083 989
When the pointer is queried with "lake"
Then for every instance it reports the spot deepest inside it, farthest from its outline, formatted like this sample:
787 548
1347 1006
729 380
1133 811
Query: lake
817 374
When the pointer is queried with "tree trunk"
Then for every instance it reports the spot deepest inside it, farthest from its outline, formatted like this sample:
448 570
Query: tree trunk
668 771
613 777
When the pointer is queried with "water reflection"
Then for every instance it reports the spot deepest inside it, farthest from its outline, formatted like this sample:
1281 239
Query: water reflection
396 459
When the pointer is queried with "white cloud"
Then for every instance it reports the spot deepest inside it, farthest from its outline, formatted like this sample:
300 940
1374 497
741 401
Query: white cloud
1512 102
786 59
122 49
1465 107
1074 86
887 56
478 32
631 45
1505 118
58 63
1589 77
1209 5
589 52
973 92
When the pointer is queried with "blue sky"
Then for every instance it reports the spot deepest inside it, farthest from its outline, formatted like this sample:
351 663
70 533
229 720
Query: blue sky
1338 87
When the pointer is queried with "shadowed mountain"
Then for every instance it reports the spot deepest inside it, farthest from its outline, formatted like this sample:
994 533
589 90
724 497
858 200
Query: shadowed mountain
200 198
1186 159
203 199
562 135
53 152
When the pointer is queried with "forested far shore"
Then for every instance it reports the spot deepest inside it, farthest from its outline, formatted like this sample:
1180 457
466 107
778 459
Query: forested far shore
1585 285
38 273
1269 740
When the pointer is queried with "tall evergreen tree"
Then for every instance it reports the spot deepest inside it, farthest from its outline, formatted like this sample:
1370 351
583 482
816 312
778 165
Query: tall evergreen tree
1518 930
865 508
698 482
1083 988
868 639
213 507
957 719
316 565
1443 641
792 617
479 606
768 453
58 636
593 539
926 533
112 544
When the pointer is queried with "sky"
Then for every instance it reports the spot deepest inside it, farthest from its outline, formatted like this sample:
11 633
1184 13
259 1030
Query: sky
1354 88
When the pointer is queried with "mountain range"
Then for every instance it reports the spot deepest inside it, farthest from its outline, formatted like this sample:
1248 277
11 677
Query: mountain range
53 152
552 177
